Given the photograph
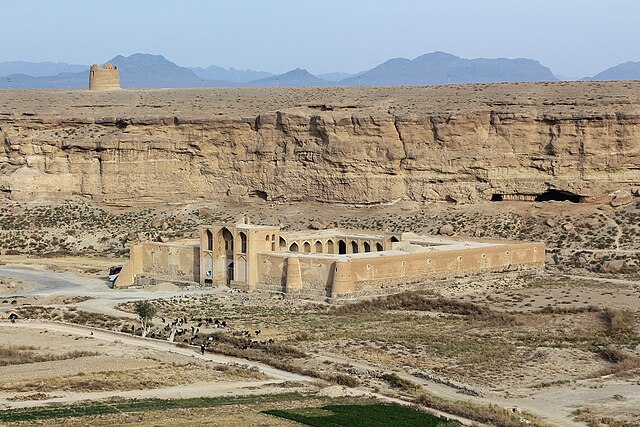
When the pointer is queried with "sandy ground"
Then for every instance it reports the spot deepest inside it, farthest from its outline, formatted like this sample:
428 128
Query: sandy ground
258 378
242 102
61 368
125 353
119 352
37 284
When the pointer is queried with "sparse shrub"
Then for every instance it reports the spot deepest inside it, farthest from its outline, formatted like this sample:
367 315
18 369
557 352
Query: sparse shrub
490 414
622 361
620 323
415 301
344 380
400 383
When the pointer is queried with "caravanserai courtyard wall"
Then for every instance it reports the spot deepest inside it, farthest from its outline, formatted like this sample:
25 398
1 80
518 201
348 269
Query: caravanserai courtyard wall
335 277
327 264
152 262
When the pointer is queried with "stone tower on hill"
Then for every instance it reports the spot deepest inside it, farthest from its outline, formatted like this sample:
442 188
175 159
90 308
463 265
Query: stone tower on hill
104 78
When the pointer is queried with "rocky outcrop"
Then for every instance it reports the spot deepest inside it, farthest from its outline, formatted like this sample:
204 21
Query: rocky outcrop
362 155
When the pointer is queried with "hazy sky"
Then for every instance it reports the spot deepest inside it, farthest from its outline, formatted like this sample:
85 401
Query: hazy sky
575 38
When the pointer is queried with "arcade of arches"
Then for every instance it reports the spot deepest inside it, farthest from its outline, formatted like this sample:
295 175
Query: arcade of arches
328 246
321 264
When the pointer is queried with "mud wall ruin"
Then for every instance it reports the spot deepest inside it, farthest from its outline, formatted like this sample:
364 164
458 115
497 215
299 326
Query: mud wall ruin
176 261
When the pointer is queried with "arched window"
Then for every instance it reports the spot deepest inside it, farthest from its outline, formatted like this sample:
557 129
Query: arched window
318 247
209 240
243 242
266 238
354 247
228 239
367 247
379 247
273 246
273 237
330 246
293 247
342 247
306 247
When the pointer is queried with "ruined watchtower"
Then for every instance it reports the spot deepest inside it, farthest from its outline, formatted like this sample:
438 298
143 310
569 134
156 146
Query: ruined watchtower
104 78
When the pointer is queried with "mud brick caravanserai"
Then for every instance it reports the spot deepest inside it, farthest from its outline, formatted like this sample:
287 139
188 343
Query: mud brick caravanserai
328 264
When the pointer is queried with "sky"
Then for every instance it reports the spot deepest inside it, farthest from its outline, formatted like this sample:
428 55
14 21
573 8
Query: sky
575 38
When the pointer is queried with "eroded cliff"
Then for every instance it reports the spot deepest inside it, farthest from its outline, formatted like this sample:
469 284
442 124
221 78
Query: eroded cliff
351 145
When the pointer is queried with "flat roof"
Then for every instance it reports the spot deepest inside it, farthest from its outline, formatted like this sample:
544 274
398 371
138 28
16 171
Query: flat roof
333 233
454 246
242 226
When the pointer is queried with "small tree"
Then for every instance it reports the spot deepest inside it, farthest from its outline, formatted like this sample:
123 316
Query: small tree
145 311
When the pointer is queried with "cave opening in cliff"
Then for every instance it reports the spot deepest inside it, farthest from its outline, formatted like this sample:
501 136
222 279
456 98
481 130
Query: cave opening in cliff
121 123
260 194
559 196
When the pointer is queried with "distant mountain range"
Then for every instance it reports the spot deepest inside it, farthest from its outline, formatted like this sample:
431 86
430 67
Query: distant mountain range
443 68
626 71
155 71
149 71
39 69
214 72
297 77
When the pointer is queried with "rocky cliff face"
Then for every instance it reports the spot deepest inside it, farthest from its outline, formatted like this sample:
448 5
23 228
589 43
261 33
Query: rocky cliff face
323 145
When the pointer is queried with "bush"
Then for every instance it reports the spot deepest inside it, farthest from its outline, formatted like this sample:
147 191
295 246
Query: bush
400 383
415 301
611 355
622 362
620 323
344 380
490 414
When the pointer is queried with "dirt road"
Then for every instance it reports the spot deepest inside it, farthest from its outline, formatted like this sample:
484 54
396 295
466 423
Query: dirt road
104 299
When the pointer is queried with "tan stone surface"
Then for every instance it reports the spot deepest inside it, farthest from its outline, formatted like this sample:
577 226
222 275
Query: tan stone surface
80 365
363 145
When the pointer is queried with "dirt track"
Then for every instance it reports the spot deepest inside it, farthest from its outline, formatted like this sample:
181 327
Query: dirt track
157 345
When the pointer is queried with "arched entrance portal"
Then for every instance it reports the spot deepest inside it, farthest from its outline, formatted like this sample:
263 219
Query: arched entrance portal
225 237
230 273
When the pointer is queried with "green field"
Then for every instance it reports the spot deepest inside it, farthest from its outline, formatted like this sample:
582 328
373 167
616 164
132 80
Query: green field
361 416
136 405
